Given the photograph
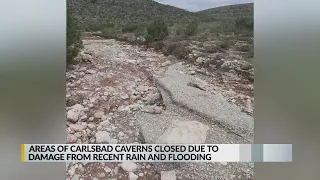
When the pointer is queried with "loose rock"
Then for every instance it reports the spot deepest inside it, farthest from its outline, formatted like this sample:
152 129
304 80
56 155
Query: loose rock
184 132
99 114
168 175
132 176
102 137
128 166
75 112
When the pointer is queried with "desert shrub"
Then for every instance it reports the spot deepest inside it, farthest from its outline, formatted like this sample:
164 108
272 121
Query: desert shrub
224 27
111 32
245 38
192 28
73 38
249 54
170 47
178 32
129 28
181 52
211 49
224 45
244 23
100 27
140 32
157 31
158 45
244 48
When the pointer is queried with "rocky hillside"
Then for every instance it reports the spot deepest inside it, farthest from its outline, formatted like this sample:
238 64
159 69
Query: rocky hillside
125 11
229 12
123 94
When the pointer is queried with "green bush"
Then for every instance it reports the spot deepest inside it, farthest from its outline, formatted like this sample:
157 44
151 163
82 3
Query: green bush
158 45
157 31
140 32
178 32
73 38
170 47
130 28
181 52
192 28
111 32
211 49
100 27
244 48
244 23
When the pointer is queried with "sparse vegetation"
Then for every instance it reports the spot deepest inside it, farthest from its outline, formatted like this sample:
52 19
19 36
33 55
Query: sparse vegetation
130 28
192 28
124 12
181 52
157 31
73 38
165 27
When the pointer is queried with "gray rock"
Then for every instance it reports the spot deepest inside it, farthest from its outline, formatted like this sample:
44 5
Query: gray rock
76 127
200 60
152 109
75 177
184 132
105 124
168 175
86 57
107 169
91 126
101 175
102 137
134 107
224 163
153 126
129 166
71 138
192 72
124 96
246 66
132 176
99 114
120 134
154 98
75 112
91 71
83 69
198 83
124 109
171 58
227 66
212 106
166 63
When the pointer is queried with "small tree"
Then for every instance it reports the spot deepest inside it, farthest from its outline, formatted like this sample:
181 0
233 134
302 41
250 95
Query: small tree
192 28
244 23
157 31
73 38
128 28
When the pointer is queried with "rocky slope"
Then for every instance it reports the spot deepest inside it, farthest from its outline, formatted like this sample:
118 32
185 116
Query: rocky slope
113 87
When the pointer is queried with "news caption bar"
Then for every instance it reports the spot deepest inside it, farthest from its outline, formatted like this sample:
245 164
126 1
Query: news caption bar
156 152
